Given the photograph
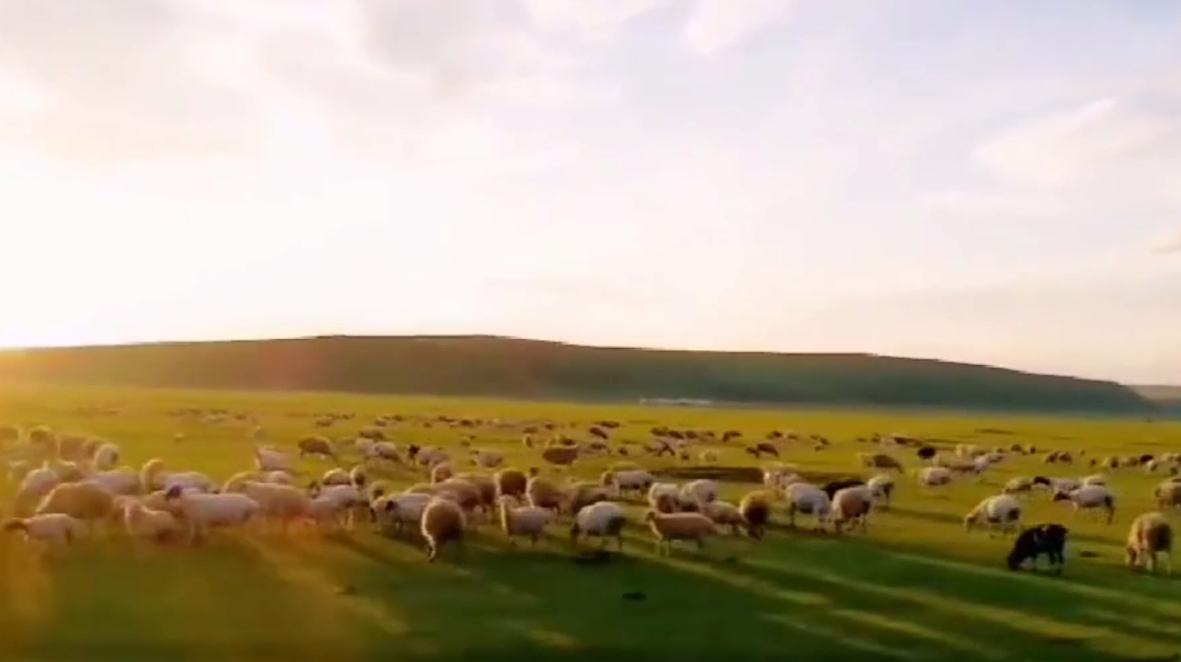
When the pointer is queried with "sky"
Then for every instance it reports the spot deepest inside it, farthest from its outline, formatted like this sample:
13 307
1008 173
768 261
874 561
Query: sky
974 180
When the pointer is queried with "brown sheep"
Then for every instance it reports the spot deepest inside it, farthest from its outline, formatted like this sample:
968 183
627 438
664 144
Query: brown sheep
879 461
316 446
543 494
755 509
510 482
442 522
562 456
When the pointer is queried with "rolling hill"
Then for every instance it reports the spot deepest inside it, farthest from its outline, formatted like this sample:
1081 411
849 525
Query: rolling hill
509 367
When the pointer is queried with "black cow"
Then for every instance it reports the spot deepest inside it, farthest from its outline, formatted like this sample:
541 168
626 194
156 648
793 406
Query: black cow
1048 539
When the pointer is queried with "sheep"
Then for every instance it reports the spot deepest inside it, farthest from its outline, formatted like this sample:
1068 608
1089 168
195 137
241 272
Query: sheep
562 456
581 494
934 476
105 457
268 459
443 521
69 472
316 446
441 472
1168 495
1094 479
518 520
883 487
602 520
278 478
1088 497
328 502
723 513
467 495
755 508
1017 485
541 493
851 504
279 503
1150 535
778 477
487 459
35 485
702 490
1001 510
879 461
143 522
1048 539
628 480
1057 484
202 510
832 487
51 528
82 501
400 509
664 497
485 486
153 477
337 476
430 456
807 499
679 526
511 482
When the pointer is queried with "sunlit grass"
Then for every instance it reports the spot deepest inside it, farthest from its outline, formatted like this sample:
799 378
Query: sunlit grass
917 587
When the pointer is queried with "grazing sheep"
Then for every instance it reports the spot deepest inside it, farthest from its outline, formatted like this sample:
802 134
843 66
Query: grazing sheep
443 521
268 459
511 482
384 450
664 497
1057 484
516 520
755 508
542 493
485 486
1017 485
879 461
441 472
1168 495
51 528
468 496
35 485
761 448
934 476
487 459
399 510
679 526
1089 497
277 503
779 477
702 490
320 446
1150 535
337 476
807 499
602 520
1094 479
851 505
1048 539
581 494
561 456
1001 511
153 477
724 514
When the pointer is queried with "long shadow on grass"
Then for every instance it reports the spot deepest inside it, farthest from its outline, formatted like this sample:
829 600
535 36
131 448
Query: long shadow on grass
958 520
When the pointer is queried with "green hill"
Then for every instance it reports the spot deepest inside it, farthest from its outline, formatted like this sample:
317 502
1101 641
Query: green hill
508 367
1164 396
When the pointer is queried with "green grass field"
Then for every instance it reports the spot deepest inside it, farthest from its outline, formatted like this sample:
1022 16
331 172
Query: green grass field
915 587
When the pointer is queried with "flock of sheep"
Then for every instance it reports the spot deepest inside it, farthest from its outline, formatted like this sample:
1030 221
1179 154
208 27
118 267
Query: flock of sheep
69 485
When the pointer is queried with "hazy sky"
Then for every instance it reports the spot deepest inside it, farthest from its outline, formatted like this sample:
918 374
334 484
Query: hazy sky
981 180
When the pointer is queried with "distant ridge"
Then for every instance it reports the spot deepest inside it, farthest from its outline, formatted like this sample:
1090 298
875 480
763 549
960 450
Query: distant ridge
515 367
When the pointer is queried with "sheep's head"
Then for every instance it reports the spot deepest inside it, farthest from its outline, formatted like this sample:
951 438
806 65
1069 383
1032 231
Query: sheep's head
1131 555
1060 495
1041 480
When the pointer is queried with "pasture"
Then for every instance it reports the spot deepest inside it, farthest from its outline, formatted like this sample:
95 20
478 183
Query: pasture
914 587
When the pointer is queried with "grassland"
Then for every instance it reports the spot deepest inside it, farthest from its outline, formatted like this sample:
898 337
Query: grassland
516 368
915 588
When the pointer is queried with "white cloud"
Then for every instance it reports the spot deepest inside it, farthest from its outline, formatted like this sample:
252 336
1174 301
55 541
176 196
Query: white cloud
993 206
1085 145
1169 244
717 24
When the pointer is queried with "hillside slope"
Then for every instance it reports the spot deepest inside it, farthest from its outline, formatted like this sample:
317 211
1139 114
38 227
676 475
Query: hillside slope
475 365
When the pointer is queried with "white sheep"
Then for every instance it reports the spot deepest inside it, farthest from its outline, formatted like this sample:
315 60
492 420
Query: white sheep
629 480
779 477
400 509
443 521
153 477
852 504
700 491
106 457
1089 497
1002 511
1057 484
517 520
724 513
203 511
35 485
1150 535
679 526
123 481
1018 485
278 503
664 497
808 499
603 520
54 528
268 459
934 476
143 522
487 459
336 476
882 486
1095 479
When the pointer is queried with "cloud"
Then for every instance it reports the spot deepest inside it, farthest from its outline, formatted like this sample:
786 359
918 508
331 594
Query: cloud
717 24
1169 244
994 206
